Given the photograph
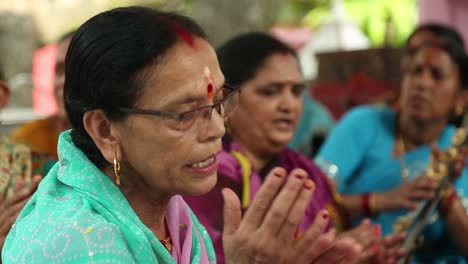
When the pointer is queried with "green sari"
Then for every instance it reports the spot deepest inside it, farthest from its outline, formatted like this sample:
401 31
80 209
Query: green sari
78 215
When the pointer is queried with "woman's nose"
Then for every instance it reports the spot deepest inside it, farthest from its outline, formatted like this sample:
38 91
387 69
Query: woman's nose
214 128
288 101
424 79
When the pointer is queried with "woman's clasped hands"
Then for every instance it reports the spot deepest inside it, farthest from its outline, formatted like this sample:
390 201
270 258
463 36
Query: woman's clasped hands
267 232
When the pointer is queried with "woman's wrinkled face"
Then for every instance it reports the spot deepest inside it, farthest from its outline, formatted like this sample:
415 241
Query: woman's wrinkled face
165 159
430 85
270 105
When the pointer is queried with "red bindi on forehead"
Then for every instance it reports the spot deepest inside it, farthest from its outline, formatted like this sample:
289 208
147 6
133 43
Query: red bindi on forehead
209 90
209 80
428 60
431 54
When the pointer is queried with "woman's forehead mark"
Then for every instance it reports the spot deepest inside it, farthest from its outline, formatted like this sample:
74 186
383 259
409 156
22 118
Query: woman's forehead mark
184 35
427 60
429 54
209 80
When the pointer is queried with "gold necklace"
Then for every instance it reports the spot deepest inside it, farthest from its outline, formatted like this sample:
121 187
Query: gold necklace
167 243
404 170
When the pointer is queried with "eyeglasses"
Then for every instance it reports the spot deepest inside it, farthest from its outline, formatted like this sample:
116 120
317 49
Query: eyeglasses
226 102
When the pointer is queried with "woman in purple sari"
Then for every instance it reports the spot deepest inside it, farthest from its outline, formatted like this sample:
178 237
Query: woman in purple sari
265 121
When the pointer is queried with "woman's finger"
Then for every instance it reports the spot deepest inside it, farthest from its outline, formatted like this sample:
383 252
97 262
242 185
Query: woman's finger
297 212
313 243
321 221
421 194
8 217
284 202
381 255
369 254
263 200
19 184
15 209
394 253
392 244
363 234
18 196
232 212
367 239
410 205
345 250
424 182
394 239
319 246
35 182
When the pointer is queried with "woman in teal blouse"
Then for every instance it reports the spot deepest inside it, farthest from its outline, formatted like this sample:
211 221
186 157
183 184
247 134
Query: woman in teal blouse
387 151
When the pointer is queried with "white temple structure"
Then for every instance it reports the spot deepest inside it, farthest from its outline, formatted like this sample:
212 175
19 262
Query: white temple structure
338 33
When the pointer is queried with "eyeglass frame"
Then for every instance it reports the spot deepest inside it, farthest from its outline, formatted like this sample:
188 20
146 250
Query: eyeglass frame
179 117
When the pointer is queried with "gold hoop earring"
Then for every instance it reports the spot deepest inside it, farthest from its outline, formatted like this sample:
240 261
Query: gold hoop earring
116 169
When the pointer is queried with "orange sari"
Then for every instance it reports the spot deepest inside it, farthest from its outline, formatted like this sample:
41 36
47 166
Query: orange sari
39 135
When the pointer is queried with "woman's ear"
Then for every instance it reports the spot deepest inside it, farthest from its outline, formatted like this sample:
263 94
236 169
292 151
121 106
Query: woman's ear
99 128
5 93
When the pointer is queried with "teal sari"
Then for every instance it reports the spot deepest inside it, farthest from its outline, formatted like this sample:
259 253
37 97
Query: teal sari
78 215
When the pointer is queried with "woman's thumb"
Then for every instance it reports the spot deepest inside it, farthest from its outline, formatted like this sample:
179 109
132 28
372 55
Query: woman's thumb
232 212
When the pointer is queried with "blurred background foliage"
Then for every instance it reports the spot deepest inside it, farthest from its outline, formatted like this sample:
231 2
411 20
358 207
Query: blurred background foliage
385 22
29 24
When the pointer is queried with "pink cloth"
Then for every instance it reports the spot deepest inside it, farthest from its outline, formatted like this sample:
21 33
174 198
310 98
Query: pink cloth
180 227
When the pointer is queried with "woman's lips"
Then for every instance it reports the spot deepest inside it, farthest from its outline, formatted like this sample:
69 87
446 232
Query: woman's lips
284 125
419 100
204 167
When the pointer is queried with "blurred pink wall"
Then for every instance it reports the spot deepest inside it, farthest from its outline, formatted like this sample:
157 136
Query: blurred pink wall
43 73
450 12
